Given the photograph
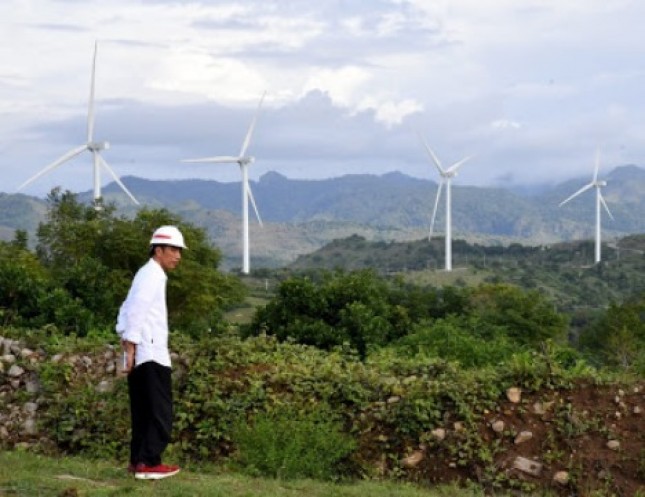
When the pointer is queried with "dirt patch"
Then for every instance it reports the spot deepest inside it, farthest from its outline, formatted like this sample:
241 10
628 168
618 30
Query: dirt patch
592 437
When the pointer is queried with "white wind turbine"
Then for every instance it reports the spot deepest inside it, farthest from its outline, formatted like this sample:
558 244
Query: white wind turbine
247 195
595 183
90 145
446 178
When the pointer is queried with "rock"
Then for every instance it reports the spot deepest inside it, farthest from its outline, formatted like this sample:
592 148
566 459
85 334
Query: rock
413 460
637 389
29 427
4 433
514 394
30 407
32 386
541 408
523 436
452 465
527 466
439 433
15 371
498 426
459 426
104 386
25 353
8 358
394 399
613 445
621 392
637 410
561 477
57 358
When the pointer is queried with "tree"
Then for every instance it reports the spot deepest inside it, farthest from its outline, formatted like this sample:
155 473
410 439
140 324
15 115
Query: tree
354 308
527 316
90 257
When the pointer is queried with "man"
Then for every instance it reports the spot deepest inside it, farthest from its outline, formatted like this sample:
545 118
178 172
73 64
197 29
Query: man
143 327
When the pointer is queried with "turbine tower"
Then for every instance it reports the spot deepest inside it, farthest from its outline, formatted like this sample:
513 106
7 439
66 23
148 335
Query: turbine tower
446 178
595 183
247 195
92 146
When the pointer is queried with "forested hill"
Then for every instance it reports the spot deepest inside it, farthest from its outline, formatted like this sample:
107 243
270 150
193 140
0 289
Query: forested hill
303 215
563 270
397 200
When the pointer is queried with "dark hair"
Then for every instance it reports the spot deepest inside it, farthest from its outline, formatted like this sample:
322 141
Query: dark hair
151 252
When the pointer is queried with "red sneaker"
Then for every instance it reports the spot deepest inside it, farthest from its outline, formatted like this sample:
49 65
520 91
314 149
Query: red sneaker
143 472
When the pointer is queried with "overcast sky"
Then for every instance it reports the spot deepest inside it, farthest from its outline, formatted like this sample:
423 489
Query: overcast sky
531 88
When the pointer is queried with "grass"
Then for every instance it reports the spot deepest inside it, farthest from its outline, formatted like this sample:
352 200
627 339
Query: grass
26 474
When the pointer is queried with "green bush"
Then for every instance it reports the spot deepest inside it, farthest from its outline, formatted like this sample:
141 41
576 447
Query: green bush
289 444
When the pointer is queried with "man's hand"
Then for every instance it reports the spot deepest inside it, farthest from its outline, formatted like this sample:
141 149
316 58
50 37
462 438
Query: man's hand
129 350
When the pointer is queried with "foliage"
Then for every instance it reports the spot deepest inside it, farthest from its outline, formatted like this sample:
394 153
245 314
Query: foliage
617 338
353 308
458 339
385 403
288 443
475 326
86 259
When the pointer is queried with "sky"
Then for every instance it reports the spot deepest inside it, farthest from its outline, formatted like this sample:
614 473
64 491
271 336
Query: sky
531 89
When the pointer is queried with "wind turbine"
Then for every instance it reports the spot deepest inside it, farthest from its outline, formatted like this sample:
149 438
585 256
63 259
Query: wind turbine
247 195
599 200
446 178
92 146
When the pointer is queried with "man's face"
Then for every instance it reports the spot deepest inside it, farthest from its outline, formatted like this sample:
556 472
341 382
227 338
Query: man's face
168 257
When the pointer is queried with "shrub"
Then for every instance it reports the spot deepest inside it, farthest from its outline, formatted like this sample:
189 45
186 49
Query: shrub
288 444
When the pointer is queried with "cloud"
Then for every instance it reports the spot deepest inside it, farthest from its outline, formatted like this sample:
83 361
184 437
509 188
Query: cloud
530 88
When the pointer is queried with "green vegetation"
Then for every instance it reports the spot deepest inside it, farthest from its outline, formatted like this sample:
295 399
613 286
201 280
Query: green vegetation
84 262
336 375
288 444
24 474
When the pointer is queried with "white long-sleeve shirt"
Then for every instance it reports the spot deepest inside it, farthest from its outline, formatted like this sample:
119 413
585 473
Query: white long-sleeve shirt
143 317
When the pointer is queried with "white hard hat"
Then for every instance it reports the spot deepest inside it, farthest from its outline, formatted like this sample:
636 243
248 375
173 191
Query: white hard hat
168 235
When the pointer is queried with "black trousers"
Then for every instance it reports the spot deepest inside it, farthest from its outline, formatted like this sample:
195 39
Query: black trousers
150 389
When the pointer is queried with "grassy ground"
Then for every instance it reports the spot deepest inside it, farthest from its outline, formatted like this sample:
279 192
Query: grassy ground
26 474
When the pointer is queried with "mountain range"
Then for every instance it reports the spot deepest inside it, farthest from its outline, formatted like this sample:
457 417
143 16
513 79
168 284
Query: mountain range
300 215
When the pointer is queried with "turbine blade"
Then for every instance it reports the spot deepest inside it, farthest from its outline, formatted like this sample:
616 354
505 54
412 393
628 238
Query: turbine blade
602 201
434 210
583 189
432 155
457 165
54 165
597 166
90 112
249 133
249 194
221 159
116 178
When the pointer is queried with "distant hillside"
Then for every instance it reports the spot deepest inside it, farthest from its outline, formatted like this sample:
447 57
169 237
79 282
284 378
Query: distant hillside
563 270
302 215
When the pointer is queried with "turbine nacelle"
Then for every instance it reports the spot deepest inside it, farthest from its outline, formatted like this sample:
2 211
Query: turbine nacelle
98 146
600 183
